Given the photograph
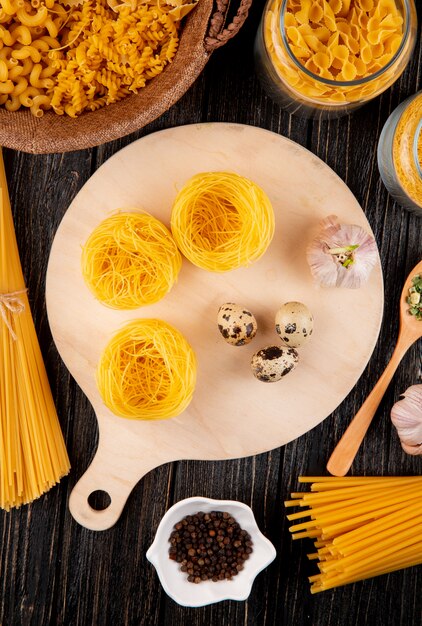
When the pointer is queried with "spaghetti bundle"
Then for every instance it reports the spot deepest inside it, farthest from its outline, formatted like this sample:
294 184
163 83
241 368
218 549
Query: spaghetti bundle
33 456
221 221
147 371
130 260
362 526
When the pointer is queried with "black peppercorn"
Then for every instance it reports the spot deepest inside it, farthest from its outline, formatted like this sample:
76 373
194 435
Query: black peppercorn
214 554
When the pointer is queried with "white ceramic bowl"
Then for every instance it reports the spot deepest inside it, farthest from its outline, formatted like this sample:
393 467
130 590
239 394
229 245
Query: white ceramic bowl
175 582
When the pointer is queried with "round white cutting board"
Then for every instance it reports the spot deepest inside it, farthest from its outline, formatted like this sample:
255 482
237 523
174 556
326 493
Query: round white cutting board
232 414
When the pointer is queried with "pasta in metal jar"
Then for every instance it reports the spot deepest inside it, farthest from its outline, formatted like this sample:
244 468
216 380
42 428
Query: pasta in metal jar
327 57
400 153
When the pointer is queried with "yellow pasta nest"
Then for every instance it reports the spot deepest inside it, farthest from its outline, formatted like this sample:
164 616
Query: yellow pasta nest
221 221
130 260
84 57
147 371
336 40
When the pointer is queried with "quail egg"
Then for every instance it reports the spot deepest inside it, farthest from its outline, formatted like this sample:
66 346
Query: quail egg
272 363
237 325
294 324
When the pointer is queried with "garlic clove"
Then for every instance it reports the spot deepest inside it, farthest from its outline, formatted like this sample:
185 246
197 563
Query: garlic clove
343 255
406 415
414 450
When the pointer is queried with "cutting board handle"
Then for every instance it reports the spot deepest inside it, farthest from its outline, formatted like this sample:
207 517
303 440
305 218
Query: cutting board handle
114 474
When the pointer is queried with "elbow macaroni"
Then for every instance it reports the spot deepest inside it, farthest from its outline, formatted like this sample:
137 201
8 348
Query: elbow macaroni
82 58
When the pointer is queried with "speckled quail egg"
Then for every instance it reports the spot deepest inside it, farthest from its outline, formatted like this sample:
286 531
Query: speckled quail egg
294 324
237 325
272 363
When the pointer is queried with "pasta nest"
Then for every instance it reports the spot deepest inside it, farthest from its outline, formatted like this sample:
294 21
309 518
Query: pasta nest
130 260
222 221
147 371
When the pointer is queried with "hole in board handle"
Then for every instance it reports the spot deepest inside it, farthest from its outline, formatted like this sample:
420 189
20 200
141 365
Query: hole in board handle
99 500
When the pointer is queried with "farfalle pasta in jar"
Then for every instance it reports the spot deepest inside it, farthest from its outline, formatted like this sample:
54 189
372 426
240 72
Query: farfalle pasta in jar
327 57
73 56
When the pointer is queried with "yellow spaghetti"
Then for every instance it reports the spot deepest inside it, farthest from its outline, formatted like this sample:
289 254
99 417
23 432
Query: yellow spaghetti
147 371
130 260
221 221
33 456
362 526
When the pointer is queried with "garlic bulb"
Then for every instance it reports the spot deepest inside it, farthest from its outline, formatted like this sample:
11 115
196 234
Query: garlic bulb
343 255
406 416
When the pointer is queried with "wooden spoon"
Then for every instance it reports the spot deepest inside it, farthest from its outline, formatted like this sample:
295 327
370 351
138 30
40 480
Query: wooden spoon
409 332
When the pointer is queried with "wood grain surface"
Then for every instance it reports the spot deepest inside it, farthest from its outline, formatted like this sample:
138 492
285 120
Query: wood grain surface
53 571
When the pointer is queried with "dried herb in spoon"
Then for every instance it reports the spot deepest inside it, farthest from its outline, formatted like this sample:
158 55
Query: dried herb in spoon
415 297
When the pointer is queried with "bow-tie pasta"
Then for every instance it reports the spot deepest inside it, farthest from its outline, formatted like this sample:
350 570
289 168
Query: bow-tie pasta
345 42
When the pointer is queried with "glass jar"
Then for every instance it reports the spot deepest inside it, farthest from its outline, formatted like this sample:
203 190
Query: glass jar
309 77
400 154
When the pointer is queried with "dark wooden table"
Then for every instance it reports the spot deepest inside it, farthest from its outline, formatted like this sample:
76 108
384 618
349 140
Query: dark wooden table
53 571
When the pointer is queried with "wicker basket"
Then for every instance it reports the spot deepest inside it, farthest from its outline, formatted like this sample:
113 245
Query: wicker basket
204 30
